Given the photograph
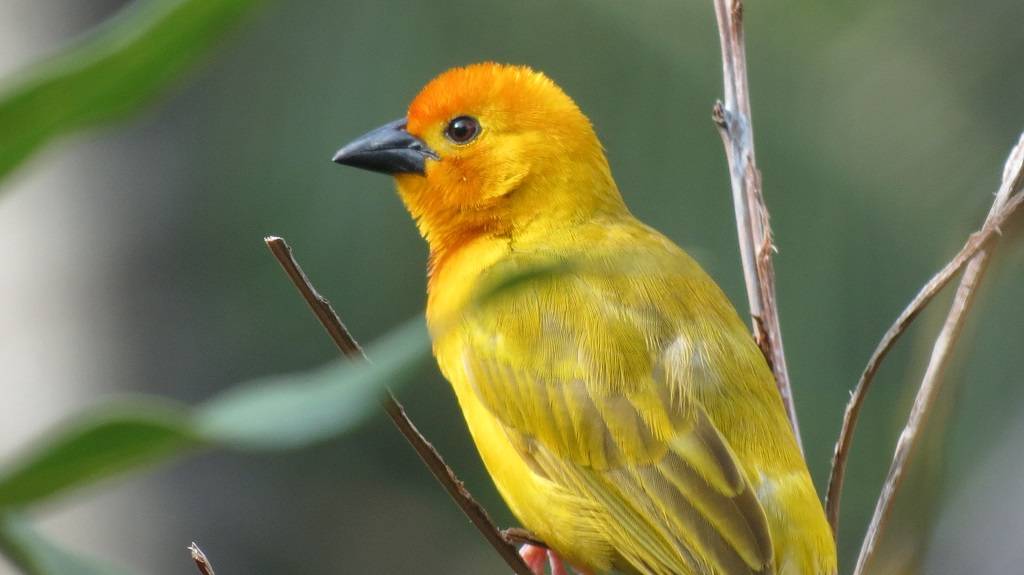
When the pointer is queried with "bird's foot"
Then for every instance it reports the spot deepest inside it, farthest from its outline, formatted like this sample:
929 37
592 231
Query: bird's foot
535 556
557 565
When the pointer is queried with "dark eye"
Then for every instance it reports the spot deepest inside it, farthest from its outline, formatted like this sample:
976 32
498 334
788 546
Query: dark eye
462 130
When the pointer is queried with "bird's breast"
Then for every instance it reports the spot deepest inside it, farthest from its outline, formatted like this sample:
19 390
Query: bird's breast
454 275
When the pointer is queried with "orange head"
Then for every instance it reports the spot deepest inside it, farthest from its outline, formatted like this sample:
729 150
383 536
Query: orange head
490 149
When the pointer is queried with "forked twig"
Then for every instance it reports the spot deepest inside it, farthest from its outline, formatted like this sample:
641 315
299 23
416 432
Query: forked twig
1008 199
427 453
199 558
1004 206
733 118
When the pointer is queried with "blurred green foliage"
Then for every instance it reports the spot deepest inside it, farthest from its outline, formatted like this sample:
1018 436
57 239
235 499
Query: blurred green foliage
110 73
104 442
277 413
881 129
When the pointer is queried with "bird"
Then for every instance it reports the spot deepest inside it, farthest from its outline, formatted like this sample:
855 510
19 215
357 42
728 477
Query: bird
620 405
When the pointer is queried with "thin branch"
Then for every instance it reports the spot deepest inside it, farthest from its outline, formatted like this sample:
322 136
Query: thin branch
734 123
975 242
427 453
202 563
1008 198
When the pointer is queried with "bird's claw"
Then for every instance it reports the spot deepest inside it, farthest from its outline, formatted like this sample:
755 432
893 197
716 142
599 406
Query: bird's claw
535 557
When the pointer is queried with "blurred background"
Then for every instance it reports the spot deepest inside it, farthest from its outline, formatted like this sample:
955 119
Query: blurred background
134 260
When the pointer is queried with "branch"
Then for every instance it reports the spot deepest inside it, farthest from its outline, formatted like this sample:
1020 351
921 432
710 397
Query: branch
734 123
1004 206
428 454
202 563
1008 199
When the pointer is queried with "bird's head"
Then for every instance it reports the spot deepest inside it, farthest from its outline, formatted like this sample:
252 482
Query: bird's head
490 149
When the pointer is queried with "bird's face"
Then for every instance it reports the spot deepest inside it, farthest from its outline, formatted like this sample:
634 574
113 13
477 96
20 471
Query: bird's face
483 148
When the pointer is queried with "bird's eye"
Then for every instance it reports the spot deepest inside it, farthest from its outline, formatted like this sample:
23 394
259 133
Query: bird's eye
462 130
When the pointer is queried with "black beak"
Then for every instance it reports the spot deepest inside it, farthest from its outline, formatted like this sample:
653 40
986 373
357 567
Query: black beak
389 150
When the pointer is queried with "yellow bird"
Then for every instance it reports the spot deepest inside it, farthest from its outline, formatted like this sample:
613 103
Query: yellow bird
621 406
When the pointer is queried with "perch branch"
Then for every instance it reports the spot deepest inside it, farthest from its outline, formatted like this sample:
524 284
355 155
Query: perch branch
427 453
1008 198
202 563
733 118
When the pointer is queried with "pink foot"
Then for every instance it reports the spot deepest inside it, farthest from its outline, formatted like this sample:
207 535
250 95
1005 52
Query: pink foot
557 566
534 557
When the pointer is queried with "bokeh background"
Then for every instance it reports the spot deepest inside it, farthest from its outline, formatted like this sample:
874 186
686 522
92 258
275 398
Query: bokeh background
134 261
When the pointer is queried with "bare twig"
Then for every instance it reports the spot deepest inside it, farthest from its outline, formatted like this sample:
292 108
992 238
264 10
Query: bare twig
427 453
1008 198
202 563
974 244
734 123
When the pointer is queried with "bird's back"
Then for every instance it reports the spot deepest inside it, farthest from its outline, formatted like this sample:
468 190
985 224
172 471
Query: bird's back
622 407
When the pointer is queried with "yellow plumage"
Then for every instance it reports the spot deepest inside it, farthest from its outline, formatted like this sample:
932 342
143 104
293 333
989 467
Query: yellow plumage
620 404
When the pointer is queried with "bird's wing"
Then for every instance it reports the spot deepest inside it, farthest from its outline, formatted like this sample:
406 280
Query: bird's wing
587 377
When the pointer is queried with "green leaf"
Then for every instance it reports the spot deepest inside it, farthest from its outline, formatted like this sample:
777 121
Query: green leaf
101 443
110 73
297 410
276 413
35 555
